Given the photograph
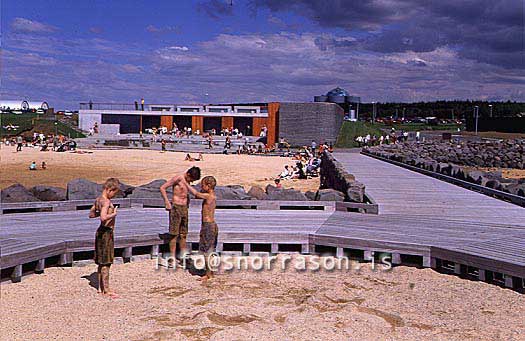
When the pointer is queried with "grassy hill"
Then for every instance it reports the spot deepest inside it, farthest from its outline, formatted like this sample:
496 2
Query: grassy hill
29 122
350 130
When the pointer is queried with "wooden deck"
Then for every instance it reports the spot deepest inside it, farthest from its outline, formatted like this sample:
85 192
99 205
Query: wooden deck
420 219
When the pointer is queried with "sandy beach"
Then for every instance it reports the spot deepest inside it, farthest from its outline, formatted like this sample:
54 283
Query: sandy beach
402 304
137 167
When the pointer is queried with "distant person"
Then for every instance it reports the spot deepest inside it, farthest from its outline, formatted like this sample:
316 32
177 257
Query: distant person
314 146
178 209
285 174
210 142
418 136
142 104
19 143
163 145
32 166
90 105
44 165
95 128
136 105
209 230
104 237
278 183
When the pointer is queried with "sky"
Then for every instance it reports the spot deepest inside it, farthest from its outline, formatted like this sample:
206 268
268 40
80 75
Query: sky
218 51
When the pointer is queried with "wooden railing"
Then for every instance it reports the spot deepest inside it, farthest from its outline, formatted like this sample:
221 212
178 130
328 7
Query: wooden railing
75 205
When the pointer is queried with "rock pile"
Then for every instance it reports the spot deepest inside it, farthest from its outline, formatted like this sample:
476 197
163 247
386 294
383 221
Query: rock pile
489 154
335 176
81 189
460 160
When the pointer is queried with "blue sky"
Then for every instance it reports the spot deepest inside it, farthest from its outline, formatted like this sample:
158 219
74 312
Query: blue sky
180 51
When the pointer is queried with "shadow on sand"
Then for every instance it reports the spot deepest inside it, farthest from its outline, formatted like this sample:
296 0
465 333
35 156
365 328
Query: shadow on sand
93 280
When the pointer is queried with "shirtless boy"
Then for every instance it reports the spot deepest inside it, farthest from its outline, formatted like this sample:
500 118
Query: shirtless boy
209 229
178 208
104 239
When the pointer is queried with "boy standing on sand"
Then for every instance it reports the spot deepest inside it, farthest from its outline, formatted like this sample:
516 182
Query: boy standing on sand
209 230
178 210
104 238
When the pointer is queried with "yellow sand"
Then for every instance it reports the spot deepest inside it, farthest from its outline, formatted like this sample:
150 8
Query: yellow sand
403 304
137 167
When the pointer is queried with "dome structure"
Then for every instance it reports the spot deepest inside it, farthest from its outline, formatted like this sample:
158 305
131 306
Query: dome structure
337 92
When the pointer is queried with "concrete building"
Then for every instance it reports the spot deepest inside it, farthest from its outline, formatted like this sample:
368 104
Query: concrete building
298 123
350 104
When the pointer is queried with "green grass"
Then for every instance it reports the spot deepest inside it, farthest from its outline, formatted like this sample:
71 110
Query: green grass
419 126
350 130
29 121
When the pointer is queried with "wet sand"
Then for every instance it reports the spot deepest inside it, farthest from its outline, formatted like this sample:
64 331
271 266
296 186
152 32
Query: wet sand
137 167
402 304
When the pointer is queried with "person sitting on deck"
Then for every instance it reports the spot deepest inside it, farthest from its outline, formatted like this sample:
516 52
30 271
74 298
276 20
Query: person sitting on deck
44 165
278 183
188 158
32 166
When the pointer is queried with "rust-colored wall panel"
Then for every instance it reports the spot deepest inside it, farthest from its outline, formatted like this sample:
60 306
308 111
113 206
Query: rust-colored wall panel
273 123
166 121
197 122
227 122
258 123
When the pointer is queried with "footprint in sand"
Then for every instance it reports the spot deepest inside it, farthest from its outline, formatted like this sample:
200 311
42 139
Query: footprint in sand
225 320
166 321
201 333
203 302
392 319
169 291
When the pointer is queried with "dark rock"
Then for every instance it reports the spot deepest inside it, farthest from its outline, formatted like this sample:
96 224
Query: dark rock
126 190
150 190
231 193
356 191
330 195
270 189
311 195
257 193
475 177
17 193
516 189
80 189
48 193
287 195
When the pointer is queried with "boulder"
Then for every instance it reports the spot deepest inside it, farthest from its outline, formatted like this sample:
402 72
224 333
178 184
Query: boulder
516 189
48 193
270 189
150 190
257 193
356 191
80 189
330 195
231 193
311 195
475 177
126 190
287 195
17 193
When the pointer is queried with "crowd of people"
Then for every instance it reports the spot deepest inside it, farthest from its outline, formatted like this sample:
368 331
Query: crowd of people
392 138
307 162
59 143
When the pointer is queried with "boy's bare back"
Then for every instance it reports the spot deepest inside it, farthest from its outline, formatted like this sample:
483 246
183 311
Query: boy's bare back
208 208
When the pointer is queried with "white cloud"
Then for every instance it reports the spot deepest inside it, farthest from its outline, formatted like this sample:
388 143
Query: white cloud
22 25
179 48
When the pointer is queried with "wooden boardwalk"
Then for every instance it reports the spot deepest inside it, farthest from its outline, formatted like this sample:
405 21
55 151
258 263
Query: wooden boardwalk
421 219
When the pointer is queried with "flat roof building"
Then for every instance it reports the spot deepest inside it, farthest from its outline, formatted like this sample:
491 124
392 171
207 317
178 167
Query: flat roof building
298 123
